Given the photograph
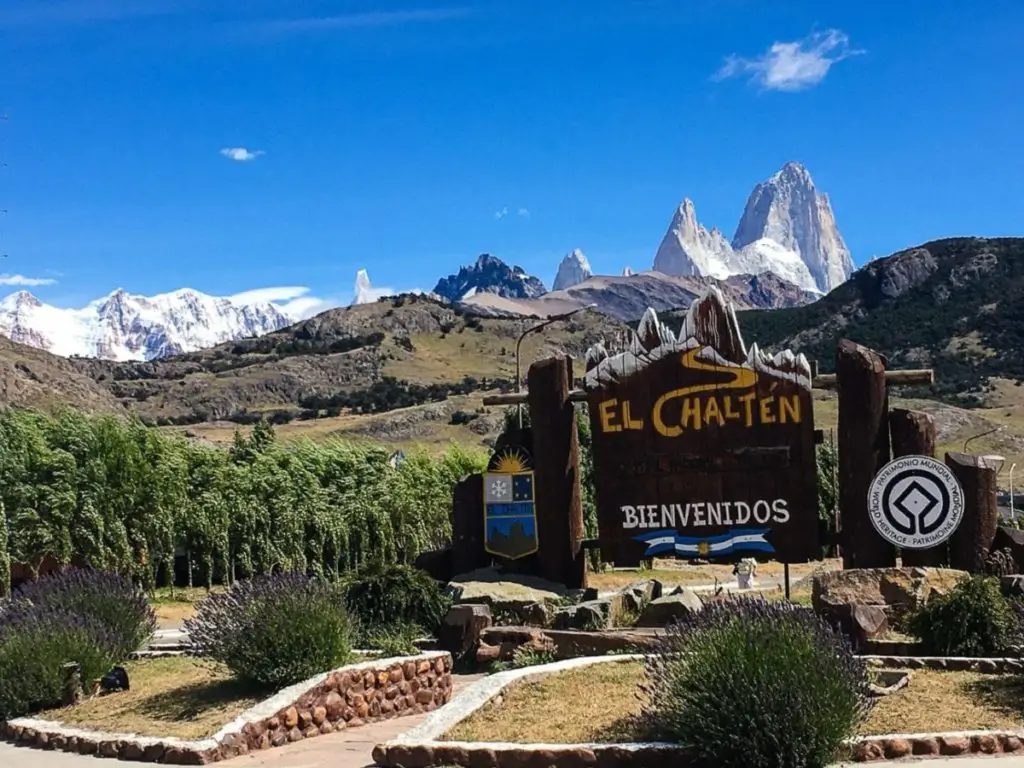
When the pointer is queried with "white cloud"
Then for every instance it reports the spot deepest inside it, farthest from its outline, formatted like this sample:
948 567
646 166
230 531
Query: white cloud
502 213
241 154
367 20
792 66
523 212
282 293
25 281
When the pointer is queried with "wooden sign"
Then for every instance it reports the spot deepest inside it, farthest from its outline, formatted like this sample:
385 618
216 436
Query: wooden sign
510 516
702 448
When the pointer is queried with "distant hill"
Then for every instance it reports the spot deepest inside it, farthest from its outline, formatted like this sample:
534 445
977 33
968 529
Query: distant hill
955 305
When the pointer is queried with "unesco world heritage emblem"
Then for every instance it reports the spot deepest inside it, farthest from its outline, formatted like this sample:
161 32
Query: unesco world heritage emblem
915 502
510 517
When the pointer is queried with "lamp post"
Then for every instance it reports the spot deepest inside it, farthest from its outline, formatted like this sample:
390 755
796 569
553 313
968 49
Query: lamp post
1013 509
519 341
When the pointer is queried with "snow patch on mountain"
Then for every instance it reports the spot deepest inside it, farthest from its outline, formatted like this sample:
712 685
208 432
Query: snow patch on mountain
787 228
125 326
573 270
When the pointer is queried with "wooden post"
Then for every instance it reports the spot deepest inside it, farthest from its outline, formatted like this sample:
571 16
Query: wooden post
468 526
972 540
72 693
913 434
556 464
863 450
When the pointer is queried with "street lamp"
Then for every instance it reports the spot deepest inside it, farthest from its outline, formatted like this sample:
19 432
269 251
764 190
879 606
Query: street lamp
519 341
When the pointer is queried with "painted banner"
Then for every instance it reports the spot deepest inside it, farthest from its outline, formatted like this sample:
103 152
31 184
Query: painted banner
702 447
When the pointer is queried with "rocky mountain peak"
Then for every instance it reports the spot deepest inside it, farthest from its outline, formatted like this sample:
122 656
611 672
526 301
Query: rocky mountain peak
787 228
572 270
363 291
489 274
788 210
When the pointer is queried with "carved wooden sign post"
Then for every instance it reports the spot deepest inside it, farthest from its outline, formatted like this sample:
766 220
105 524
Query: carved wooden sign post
702 448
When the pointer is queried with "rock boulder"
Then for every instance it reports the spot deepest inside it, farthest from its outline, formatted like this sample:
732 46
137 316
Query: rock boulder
898 591
665 610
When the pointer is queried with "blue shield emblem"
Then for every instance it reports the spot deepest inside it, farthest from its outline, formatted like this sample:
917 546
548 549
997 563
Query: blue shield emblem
510 517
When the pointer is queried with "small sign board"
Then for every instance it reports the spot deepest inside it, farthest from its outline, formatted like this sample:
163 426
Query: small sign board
510 516
702 447
915 502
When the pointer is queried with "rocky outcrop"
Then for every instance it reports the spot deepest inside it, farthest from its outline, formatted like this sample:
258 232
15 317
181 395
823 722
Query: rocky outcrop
664 610
489 274
898 591
573 270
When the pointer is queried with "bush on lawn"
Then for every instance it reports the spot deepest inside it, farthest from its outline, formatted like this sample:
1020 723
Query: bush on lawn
36 642
108 598
972 619
274 630
380 597
756 684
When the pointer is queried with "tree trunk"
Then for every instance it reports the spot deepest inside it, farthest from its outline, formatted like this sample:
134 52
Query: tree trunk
863 450
973 538
913 434
556 461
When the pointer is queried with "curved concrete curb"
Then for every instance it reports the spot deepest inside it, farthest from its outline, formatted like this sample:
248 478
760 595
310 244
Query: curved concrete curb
423 747
347 697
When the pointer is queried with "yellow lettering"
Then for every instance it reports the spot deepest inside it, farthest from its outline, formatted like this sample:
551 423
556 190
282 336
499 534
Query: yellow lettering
748 405
730 414
790 409
606 411
627 420
712 411
660 426
691 412
767 417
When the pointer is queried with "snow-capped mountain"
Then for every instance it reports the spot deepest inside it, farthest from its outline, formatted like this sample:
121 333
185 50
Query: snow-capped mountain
573 270
124 326
489 275
787 228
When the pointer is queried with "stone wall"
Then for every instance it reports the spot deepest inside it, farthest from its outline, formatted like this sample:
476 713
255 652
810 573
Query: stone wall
345 698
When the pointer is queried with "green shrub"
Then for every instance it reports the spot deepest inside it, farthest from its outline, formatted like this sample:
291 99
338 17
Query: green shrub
383 596
274 630
108 598
756 684
35 643
972 619
397 639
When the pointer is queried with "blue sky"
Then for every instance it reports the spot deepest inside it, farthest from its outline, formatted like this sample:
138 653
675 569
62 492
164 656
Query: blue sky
409 137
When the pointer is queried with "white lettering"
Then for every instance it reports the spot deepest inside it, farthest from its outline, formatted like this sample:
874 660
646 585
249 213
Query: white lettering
714 515
758 506
668 515
631 520
781 509
742 513
652 516
726 513
698 514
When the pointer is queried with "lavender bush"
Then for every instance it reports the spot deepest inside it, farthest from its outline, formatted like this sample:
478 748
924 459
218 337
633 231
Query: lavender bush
108 598
972 619
274 630
755 683
35 643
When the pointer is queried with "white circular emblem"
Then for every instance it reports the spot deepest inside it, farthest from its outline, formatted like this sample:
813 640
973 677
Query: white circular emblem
915 502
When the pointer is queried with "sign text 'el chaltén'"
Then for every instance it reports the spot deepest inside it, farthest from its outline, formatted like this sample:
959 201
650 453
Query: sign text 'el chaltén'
702 448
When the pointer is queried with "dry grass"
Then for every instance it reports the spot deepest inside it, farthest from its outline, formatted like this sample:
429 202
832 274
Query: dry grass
592 704
679 572
177 696
595 704
174 607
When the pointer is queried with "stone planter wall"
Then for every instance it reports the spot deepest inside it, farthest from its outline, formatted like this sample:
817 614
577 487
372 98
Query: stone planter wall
344 698
425 747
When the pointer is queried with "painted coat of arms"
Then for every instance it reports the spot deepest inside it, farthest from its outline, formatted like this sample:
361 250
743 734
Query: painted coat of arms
510 516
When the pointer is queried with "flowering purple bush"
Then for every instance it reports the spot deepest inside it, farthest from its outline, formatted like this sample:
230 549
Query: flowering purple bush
755 683
35 643
274 630
108 598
